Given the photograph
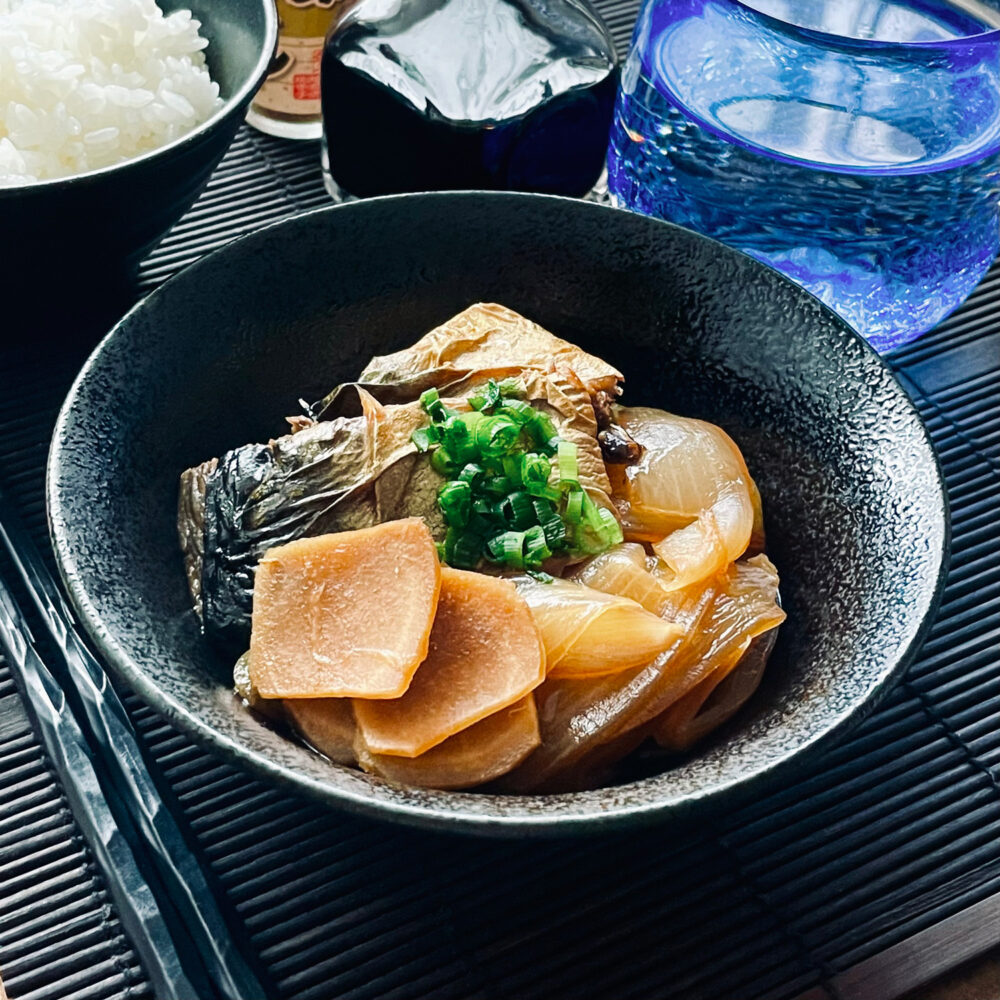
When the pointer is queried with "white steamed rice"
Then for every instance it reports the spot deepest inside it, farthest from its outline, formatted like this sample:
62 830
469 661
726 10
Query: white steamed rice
88 83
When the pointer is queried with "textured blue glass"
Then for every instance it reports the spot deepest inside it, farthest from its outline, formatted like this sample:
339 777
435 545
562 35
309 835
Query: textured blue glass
853 145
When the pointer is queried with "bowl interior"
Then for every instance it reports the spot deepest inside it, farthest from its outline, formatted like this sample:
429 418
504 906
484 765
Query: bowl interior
234 29
90 230
852 495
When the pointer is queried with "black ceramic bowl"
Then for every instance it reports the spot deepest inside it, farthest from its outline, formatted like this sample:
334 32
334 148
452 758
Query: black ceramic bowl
75 234
853 498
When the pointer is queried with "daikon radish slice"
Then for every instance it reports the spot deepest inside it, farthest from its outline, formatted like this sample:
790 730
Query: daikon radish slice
326 723
270 708
692 481
587 632
485 751
485 654
623 570
347 614
716 699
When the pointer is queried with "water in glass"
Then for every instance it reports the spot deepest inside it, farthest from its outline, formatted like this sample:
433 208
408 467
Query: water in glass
853 145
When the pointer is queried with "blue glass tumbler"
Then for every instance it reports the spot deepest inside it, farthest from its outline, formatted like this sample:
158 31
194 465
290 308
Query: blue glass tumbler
853 145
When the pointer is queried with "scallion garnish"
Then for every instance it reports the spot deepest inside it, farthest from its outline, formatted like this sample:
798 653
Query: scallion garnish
535 470
574 506
512 493
443 464
496 436
517 511
455 501
473 474
499 486
566 463
536 549
425 438
507 549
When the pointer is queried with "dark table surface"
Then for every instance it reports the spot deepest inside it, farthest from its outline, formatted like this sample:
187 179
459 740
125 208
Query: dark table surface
877 870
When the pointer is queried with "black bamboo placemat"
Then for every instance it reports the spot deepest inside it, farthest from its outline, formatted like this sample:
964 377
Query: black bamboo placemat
892 832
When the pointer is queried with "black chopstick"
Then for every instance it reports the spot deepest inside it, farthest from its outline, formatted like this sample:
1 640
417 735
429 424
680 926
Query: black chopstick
115 742
67 749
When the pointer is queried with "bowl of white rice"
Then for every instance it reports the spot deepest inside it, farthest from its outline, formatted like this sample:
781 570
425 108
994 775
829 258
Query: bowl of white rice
113 114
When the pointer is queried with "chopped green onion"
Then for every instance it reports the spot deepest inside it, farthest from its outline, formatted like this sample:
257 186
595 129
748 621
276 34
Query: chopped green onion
467 551
510 387
537 574
483 525
612 530
451 536
424 438
458 439
512 468
547 493
498 485
472 419
455 501
585 541
492 392
592 514
535 471
545 433
499 500
517 511
496 436
574 506
473 474
566 463
552 524
440 551
431 402
536 551
443 464
508 549
518 410
544 510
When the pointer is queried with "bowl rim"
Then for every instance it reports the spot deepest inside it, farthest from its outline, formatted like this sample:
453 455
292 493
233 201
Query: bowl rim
566 813
243 94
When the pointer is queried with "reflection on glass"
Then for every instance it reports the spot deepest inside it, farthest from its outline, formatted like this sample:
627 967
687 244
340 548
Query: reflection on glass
853 145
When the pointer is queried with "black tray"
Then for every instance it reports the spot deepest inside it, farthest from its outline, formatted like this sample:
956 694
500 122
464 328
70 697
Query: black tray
880 867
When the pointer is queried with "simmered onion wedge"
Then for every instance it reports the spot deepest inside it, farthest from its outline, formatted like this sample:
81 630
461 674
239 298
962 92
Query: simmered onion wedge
623 570
578 717
758 539
481 753
716 699
587 633
689 493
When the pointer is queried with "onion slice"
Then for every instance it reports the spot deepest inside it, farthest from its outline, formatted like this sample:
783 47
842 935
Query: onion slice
623 570
689 494
577 718
716 699
589 633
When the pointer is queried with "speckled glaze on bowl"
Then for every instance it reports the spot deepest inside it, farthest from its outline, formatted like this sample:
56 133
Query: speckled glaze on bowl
78 234
854 503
